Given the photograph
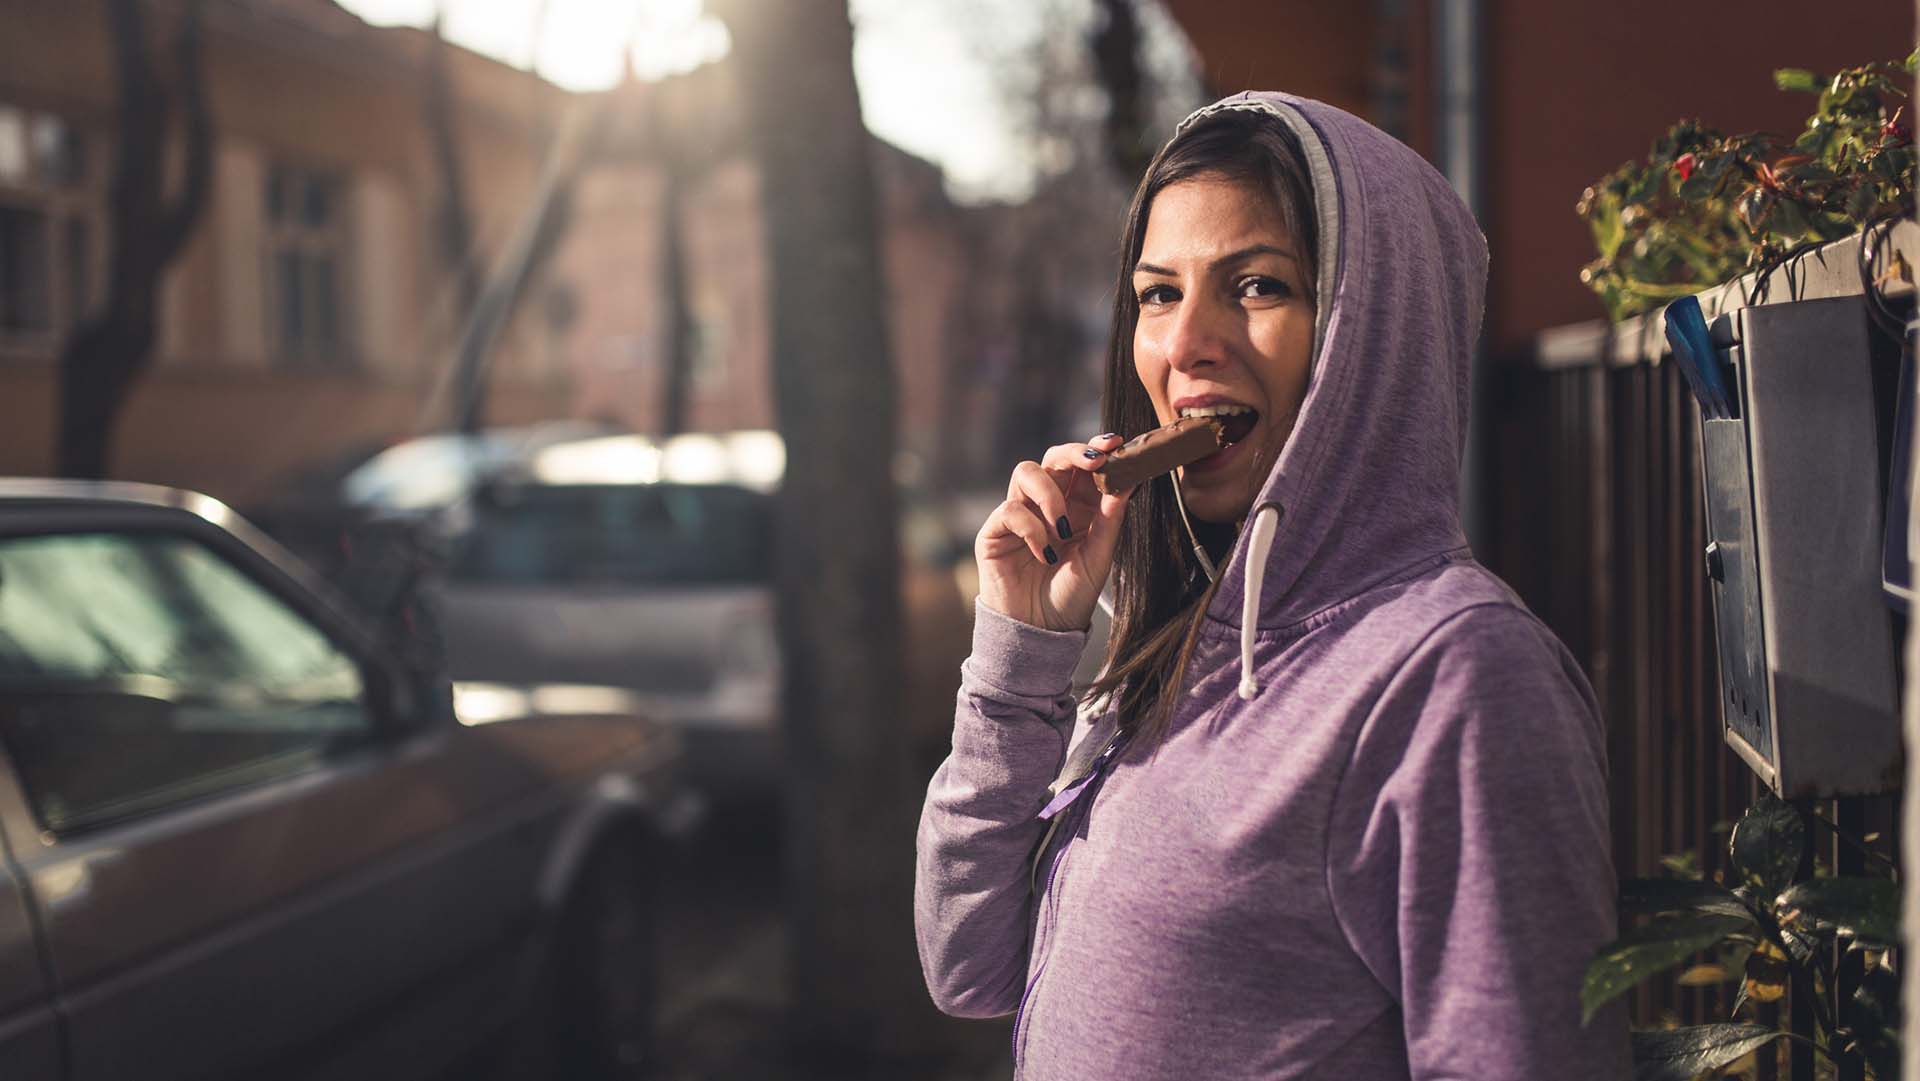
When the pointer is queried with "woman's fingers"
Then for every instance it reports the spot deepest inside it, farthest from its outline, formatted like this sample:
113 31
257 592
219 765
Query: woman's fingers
1052 501
1064 466
1056 517
1085 457
1047 492
1017 519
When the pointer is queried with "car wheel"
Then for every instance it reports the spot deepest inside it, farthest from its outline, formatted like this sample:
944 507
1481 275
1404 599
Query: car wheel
606 968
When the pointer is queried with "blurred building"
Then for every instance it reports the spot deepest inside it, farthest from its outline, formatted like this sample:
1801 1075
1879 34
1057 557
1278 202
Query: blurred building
615 266
311 318
307 317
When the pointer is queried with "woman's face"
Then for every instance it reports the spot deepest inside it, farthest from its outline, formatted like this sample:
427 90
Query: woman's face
1226 327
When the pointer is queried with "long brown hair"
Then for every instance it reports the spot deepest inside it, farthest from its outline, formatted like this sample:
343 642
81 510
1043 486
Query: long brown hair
1161 593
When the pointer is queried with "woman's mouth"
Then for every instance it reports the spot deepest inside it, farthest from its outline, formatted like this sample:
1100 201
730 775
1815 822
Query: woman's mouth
1236 422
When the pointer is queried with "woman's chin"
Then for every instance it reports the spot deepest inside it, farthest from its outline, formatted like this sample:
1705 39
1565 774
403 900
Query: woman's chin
1214 504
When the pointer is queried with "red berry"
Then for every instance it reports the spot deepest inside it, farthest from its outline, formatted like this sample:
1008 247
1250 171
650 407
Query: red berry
1684 166
1895 131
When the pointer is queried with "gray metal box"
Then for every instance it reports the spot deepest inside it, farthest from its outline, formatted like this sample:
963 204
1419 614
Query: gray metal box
1793 489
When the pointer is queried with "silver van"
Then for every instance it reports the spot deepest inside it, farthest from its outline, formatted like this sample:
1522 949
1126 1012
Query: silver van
642 565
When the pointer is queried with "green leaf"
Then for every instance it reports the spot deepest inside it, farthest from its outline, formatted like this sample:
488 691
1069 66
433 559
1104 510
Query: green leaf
1881 1049
1876 1002
1685 864
1861 203
1652 896
1642 952
1808 172
1768 844
1871 1021
1766 974
1866 910
1788 221
1739 1000
1815 139
1647 187
1797 79
1680 1054
1696 187
1830 227
1608 233
1799 947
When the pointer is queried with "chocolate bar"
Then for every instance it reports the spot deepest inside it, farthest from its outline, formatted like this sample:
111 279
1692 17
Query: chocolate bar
1146 456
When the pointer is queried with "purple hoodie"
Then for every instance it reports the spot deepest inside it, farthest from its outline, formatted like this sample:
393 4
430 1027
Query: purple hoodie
1386 856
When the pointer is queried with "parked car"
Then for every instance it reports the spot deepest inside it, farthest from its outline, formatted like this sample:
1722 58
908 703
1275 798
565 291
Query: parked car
241 836
648 566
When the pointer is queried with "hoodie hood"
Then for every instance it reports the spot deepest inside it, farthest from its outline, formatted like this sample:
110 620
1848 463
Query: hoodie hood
1368 483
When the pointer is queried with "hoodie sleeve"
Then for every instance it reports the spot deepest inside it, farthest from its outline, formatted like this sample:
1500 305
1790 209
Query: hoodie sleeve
1468 857
978 828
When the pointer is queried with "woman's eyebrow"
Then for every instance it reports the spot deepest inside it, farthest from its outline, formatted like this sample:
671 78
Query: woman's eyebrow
1240 255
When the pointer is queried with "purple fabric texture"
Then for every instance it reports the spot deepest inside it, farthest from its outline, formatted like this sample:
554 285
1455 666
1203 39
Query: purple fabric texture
1393 861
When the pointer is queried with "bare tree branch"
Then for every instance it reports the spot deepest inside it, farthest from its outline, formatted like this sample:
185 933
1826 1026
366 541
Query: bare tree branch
453 220
177 221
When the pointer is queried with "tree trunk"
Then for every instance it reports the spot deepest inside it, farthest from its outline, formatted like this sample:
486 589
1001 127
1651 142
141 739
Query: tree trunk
850 803
1116 60
109 350
677 384
453 221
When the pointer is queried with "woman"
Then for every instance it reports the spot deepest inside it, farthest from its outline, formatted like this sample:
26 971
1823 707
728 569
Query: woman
1337 808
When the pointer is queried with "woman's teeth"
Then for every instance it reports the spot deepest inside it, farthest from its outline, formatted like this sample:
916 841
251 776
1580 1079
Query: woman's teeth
1236 421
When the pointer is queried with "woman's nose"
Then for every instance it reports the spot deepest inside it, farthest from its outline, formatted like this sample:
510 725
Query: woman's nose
1196 333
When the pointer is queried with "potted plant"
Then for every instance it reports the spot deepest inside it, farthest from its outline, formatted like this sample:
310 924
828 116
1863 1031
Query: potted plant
1705 208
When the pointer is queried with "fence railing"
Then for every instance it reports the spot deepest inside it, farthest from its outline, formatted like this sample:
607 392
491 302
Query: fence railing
1603 529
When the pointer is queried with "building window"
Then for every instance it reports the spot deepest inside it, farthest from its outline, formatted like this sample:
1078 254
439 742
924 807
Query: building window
48 214
306 256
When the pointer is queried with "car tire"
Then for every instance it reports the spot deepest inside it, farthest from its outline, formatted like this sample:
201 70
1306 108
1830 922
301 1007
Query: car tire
606 964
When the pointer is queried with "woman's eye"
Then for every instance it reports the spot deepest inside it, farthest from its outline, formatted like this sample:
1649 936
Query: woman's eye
1157 294
1256 286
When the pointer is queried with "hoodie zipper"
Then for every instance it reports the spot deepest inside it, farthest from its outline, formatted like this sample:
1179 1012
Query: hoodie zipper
1043 931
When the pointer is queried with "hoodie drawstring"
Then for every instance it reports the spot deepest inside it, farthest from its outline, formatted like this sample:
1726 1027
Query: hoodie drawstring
1266 521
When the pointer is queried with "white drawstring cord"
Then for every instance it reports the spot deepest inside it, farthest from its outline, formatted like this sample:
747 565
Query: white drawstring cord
1266 521
1206 563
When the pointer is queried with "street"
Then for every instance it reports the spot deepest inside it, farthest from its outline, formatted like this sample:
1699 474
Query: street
723 966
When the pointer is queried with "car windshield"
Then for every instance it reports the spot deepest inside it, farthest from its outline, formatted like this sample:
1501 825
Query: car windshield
655 534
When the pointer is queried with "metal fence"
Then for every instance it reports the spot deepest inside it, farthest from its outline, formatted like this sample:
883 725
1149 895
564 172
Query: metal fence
1602 529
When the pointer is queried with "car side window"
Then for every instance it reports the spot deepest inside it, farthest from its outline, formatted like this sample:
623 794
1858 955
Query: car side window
140 670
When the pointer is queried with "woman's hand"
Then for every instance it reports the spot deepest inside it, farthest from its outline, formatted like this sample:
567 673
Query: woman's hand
1044 554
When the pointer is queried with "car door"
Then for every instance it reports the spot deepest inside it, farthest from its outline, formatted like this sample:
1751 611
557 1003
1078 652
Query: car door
29 1028
242 853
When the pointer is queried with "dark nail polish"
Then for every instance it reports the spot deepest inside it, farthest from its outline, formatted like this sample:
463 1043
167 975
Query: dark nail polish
1109 435
1065 527
1051 558
1090 453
